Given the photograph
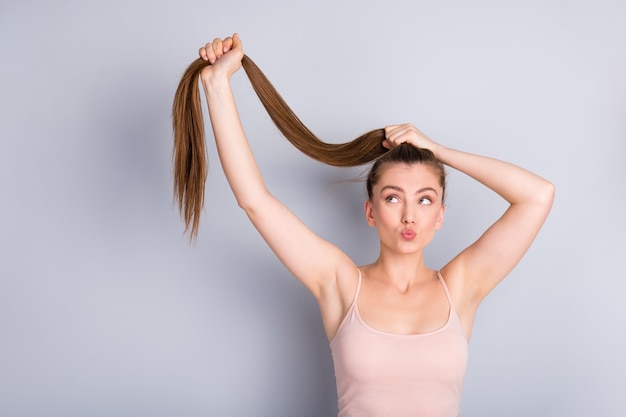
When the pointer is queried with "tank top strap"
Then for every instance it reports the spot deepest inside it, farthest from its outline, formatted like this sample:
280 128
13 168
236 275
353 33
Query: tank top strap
358 288
351 313
445 289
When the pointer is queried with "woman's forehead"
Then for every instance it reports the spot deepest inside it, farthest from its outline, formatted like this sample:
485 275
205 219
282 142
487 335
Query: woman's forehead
401 173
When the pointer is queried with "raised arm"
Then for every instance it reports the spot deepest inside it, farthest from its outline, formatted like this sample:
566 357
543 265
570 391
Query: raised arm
482 265
314 261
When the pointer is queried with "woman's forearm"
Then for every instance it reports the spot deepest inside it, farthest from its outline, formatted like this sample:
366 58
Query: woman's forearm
235 154
513 183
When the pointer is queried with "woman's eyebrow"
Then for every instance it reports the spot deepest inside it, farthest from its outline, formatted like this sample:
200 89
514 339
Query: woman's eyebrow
400 189
392 187
421 190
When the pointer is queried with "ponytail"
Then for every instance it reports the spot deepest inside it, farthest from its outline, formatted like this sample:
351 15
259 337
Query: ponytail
189 156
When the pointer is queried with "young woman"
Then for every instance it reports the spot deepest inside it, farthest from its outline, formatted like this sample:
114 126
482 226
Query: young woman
397 328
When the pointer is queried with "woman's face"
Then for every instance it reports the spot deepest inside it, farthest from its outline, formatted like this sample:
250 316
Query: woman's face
406 207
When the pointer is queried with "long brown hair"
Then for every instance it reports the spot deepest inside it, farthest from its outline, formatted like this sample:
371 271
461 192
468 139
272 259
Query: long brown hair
189 155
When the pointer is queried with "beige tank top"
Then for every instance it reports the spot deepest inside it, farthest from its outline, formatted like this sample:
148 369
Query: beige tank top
383 374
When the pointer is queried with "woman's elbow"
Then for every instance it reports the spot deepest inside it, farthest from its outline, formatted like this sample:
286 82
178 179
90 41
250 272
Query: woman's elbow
546 196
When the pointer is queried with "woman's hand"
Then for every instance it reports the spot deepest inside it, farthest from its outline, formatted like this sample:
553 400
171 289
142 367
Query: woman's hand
224 55
407 133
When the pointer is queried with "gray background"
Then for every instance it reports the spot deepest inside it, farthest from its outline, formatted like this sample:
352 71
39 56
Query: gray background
105 310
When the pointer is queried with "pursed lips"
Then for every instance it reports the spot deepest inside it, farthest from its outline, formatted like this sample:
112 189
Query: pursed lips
408 234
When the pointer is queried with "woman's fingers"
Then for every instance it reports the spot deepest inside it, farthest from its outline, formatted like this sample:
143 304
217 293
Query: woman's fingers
227 44
203 54
213 51
207 53
397 134
237 41
406 133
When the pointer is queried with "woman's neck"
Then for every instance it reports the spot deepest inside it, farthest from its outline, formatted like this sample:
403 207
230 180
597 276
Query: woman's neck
401 271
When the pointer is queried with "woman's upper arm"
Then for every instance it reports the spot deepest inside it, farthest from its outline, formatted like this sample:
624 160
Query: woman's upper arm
311 259
486 262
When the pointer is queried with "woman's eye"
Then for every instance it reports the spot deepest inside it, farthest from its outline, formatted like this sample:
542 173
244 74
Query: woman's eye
392 199
425 200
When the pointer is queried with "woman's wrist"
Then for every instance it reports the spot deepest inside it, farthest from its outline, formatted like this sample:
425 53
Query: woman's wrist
439 151
215 82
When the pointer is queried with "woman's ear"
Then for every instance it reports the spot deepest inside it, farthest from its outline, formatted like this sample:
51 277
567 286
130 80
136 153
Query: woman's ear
440 218
369 213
